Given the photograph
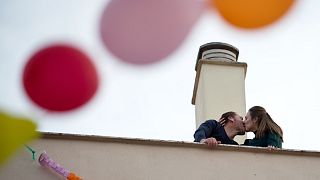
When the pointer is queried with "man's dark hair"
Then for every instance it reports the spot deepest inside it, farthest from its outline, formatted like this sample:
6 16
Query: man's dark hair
227 115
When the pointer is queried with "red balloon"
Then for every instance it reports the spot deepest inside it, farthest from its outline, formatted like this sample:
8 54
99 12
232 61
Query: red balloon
146 31
60 78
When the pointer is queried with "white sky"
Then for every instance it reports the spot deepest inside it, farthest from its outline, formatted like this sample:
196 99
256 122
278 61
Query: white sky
154 101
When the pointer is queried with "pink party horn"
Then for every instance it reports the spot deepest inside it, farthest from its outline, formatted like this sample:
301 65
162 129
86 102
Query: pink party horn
46 161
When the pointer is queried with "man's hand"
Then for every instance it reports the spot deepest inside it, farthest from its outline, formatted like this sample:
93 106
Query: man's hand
212 142
222 121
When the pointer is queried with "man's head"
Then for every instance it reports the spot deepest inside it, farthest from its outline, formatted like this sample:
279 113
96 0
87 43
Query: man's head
234 121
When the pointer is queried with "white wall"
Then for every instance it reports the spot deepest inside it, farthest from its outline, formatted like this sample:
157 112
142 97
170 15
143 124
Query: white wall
94 157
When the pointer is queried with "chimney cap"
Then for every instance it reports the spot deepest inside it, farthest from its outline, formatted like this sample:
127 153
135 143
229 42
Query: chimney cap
217 45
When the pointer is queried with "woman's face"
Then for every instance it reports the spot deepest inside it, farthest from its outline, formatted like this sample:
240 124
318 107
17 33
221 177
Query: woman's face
250 124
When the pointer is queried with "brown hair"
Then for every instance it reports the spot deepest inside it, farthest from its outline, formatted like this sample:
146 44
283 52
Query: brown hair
227 115
265 122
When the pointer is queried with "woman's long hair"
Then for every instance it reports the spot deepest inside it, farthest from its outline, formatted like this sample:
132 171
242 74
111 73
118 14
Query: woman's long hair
265 122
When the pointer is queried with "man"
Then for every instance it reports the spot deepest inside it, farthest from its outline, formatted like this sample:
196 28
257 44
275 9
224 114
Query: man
213 133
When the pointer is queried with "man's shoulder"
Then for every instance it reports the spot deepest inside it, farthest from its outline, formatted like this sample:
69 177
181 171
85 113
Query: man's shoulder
213 122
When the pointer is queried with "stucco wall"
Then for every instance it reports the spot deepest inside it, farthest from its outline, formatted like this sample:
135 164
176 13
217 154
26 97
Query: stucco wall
95 157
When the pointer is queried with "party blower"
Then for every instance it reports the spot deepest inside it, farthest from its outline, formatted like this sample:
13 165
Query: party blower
46 161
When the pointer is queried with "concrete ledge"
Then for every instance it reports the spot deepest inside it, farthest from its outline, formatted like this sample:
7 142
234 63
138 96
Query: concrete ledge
182 144
100 157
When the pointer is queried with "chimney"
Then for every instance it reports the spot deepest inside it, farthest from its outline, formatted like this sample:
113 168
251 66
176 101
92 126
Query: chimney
219 84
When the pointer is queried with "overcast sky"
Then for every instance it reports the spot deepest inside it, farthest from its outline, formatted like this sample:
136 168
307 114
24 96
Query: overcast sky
154 101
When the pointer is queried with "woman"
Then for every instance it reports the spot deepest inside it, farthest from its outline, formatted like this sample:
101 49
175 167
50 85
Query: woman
267 132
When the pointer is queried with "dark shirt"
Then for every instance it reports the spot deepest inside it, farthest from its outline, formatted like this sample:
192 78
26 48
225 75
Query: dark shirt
270 139
212 128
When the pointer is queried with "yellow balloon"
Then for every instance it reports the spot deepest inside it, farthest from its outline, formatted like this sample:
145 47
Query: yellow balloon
252 13
14 133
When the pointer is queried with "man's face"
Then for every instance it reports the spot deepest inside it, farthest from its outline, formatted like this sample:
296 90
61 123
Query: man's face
239 124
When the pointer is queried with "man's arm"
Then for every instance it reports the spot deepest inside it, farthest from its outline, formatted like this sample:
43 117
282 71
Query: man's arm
205 130
212 142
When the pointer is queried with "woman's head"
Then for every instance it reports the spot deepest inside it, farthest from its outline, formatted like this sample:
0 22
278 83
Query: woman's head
259 121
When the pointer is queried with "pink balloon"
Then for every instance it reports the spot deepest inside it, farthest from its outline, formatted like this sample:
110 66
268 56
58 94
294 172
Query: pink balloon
146 31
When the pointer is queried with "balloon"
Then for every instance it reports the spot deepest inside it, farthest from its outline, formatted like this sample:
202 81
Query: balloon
60 78
147 31
252 13
14 133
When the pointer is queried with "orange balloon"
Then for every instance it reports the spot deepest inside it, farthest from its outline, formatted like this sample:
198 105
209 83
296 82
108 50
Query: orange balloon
252 13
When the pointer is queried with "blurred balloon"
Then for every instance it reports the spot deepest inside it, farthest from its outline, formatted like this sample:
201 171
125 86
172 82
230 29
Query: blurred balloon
60 78
15 132
146 31
252 13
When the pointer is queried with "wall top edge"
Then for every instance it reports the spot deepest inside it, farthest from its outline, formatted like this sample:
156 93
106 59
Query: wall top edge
182 144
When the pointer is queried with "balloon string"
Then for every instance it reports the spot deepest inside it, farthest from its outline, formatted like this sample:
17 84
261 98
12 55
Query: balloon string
32 151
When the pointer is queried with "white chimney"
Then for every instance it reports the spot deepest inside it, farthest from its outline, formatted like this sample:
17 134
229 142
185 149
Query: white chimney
219 84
